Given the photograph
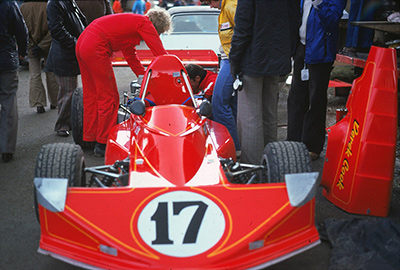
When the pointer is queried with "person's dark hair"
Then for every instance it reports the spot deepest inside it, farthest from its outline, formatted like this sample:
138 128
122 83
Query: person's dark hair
194 70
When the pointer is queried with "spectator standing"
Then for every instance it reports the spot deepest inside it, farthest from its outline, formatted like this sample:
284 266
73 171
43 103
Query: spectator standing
35 16
313 60
23 62
163 4
224 100
178 3
202 81
13 32
117 8
66 23
94 9
124 4
360 38
118 32
261 52
138 7
148 5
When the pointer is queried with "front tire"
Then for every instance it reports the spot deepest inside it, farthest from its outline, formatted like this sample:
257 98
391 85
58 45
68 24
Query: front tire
285 157
60 160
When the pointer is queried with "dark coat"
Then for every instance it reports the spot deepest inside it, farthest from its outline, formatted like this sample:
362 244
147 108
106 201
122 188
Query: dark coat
66 23
12 31
94 9
264 36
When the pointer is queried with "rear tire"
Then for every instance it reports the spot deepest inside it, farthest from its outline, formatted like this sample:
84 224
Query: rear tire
285 157
60 160
77 119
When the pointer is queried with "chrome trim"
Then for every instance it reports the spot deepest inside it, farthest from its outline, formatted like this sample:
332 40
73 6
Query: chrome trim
189 88
68 260
286 256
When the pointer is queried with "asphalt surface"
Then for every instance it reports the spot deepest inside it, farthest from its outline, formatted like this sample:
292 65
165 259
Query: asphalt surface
20 231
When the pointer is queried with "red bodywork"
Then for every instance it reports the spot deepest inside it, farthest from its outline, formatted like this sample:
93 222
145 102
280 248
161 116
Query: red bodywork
359 162
205 58
178 211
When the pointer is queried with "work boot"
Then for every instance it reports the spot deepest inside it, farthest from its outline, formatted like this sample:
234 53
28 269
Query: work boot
40 109
63 133
314 156
99 150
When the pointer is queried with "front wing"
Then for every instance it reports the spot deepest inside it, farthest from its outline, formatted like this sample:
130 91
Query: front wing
211 227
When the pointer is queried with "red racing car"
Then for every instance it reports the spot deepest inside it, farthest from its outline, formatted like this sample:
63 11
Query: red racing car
171 194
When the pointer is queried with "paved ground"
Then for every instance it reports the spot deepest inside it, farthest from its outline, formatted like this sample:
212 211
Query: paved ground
20 232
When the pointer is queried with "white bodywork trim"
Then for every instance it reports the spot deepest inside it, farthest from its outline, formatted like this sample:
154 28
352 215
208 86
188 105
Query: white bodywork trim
68 260
301 187
286 256
51 193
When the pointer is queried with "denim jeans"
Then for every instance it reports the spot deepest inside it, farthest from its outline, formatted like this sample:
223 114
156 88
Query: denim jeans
224 101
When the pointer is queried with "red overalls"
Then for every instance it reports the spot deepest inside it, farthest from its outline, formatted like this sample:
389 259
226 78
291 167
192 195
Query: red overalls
105 35
207 85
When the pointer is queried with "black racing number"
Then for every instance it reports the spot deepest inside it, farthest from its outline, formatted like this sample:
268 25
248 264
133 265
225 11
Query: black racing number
194 225
161 219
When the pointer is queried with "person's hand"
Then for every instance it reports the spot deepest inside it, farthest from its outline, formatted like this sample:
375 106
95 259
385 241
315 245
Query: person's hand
37 51
316 3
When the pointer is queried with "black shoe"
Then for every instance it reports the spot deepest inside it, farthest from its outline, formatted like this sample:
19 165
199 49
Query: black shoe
63 133
7 157
53 107
314 156
99 150
40 109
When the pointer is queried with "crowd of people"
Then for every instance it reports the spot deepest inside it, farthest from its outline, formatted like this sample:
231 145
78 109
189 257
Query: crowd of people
259 40
265 36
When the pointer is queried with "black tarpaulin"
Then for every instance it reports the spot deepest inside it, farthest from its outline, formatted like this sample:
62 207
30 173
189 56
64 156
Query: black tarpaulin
363 244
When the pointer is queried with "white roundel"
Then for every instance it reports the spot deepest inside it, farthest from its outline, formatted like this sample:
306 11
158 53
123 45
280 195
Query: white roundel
181 224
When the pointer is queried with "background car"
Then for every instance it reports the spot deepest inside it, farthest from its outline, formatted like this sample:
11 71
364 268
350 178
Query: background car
193 27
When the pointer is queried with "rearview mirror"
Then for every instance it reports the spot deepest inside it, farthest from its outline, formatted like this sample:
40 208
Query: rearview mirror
205 108
138 107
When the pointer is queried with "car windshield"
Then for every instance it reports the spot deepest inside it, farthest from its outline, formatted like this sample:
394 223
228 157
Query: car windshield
195 23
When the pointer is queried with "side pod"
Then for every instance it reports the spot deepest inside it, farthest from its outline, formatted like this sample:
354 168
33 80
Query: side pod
359 164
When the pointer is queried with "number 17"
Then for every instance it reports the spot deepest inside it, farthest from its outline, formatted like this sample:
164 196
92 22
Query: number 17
161 219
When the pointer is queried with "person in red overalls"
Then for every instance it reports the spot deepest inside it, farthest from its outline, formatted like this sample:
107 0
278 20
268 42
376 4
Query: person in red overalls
148 5
201 80
117 7
105 35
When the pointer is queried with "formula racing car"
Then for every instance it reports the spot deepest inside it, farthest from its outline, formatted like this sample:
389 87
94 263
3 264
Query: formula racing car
171 194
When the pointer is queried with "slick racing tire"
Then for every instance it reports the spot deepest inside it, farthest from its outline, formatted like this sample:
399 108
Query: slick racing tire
77 119
60 160
285 157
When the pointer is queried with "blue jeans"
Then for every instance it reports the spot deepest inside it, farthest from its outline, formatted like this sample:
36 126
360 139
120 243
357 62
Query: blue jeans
224 103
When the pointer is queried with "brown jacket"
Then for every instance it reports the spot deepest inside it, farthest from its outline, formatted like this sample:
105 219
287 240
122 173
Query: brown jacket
35 17
94 9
